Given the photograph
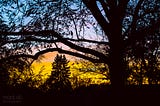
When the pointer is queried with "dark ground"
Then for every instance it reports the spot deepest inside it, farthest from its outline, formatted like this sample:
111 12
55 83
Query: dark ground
84 96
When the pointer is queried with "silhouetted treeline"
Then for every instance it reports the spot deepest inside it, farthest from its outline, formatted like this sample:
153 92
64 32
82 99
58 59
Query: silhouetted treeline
144 68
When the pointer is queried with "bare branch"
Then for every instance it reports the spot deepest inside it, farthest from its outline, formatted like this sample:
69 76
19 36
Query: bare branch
63 40
139 35
87 40
92 6
51 41
60 51
135 16
105 8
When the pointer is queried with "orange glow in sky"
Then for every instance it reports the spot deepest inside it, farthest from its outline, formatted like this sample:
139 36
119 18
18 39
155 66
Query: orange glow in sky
49 57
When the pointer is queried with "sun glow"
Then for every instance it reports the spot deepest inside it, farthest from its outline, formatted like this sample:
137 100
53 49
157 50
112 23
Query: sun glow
45 67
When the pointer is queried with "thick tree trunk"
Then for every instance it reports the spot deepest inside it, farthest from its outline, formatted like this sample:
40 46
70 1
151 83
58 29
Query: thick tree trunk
117 70
113 30
117 64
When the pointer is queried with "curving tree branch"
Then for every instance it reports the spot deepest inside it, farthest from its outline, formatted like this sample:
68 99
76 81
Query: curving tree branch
92 6
52 41
100 55
34 57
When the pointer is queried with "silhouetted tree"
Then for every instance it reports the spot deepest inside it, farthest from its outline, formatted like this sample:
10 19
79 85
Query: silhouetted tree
12 75
59 80
153 70
4 74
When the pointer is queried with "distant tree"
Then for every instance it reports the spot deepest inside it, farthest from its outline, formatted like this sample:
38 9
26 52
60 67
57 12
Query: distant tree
144 58
59 80
12 74
18 74
153 67
3 27
4 74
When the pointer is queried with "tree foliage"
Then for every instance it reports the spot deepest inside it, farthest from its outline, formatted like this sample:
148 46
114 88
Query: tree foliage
59 80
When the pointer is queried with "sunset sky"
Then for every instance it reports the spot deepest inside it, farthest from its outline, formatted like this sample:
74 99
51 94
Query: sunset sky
49 57
45 63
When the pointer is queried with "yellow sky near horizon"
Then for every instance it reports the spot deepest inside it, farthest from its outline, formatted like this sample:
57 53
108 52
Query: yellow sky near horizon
45 61
45 64
46 68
